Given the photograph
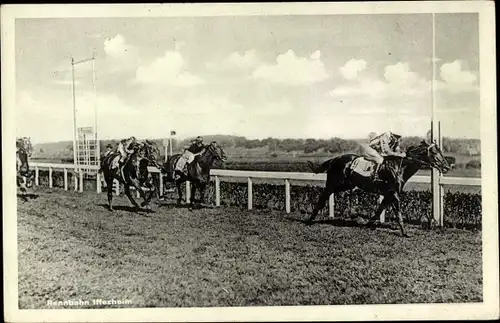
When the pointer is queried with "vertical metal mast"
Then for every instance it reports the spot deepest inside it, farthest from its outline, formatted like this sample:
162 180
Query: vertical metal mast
98 146
74 112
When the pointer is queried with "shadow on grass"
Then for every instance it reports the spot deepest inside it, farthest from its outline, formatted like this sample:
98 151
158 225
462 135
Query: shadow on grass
128 208
342 222
175 205
27 196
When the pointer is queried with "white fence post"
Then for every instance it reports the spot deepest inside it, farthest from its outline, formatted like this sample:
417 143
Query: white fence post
37 176
161 184
116 186
65 170
382 215
217 191
50 177
188 191
331 205
75 179
287 196
250 193
81 180
98 183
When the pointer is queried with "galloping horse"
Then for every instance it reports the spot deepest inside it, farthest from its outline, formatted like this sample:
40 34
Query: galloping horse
198 172
394 173
135 172
24 150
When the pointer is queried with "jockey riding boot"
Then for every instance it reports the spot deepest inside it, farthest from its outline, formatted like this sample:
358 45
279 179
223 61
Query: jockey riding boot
375 173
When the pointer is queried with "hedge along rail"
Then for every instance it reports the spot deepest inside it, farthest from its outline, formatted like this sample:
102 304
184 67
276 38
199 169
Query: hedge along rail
217 174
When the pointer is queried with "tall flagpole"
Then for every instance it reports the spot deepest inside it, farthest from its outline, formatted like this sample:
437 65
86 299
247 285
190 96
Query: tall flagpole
74 111
97 147
434 117
435 133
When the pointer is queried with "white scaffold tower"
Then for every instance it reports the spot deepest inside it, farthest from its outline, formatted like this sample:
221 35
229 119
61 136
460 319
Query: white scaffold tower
86 147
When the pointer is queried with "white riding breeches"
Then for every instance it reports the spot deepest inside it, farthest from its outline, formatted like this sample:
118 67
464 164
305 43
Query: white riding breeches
371 154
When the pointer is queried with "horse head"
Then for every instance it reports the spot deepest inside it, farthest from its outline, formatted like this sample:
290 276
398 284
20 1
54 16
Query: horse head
431 154
216 150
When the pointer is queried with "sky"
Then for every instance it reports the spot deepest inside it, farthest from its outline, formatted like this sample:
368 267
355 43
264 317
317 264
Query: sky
255 76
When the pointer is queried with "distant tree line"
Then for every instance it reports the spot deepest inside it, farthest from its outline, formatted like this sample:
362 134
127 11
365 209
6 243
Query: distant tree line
468 147
463 147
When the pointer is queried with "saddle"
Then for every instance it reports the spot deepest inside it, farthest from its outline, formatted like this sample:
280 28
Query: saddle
362 167
196 156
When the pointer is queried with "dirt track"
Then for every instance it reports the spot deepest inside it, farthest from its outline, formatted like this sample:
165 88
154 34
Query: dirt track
71 247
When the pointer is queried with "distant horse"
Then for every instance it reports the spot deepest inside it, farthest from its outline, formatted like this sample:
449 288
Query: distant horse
198 171
394 173
135 172
24 176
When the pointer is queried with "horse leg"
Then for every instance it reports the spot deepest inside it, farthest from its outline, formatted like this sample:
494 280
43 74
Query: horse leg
202 193
319 205
350 203
382 206
109 187
192 199
397 209
179 191
129 195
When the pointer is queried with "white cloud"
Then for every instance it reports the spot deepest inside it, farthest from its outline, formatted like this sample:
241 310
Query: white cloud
292 70
236 62
206 105
120 56
399 81
315 55
456 79
352 68
116 47
248 60
170 69
400 74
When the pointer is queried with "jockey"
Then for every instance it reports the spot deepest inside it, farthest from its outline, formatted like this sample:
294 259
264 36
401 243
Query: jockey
190 150
109 150
125 148
386 144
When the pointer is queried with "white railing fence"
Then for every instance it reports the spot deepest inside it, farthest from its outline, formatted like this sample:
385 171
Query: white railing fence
218 174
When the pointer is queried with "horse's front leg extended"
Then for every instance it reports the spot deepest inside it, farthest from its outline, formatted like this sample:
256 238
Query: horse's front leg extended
129 195
319 205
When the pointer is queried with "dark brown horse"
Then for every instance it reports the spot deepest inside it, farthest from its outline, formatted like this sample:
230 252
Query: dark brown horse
24 176
394 173
135 172
198 171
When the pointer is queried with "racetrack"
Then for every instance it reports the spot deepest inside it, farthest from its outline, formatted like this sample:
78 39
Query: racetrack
71 247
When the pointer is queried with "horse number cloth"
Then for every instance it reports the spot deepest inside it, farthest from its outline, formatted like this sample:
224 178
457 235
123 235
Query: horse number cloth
363 167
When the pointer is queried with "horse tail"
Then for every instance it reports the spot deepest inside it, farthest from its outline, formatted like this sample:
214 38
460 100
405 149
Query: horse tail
319 168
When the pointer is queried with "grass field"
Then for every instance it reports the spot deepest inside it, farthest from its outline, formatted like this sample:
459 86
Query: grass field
71 247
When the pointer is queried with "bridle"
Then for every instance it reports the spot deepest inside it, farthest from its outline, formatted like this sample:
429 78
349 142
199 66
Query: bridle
428 149
212 148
